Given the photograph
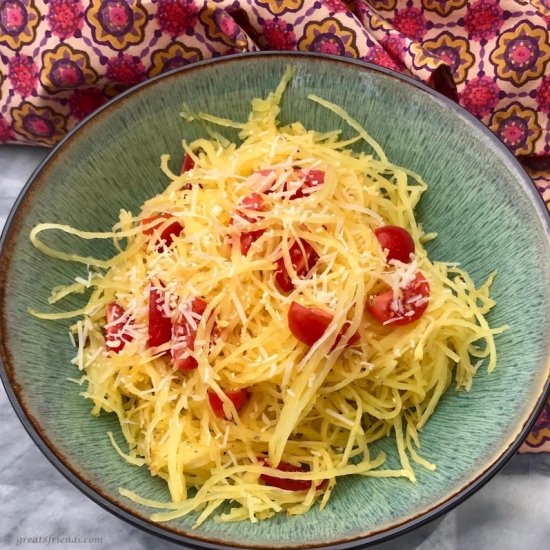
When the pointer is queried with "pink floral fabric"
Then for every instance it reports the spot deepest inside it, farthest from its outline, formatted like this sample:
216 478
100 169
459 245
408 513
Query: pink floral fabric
62 59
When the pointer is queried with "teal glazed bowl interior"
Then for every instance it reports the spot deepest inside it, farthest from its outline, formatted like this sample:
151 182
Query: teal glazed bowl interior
480 202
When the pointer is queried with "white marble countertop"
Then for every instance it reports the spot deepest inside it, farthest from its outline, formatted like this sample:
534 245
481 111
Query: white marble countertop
38 506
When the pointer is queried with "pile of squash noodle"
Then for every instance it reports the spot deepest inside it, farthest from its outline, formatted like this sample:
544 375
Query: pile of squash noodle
311 412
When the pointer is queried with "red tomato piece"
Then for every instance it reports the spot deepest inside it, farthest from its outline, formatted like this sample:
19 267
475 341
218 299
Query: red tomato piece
254 201
198 305
354 338
246 240
168 233
302 261
160 324
187 164
308 324
115 336
183 337
289 484
397 241
237 397
312 178
409 306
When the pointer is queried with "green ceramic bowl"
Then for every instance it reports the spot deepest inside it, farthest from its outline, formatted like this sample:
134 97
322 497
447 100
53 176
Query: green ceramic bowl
481 203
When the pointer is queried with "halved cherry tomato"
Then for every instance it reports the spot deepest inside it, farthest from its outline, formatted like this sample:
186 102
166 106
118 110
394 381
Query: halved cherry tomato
312 178
168 233
409 307
308 324
289 484
255 202
183 338
187 164
115 337
302 261
160 325
397 241
237 397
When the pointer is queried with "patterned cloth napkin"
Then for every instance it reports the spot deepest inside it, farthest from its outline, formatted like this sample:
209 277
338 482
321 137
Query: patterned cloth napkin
62 59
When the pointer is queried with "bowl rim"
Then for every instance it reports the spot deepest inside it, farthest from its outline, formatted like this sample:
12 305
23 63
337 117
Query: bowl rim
95 493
